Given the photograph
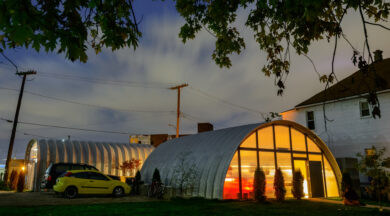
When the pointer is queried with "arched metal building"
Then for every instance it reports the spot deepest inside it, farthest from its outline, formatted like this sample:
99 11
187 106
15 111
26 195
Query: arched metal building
105 156
223 161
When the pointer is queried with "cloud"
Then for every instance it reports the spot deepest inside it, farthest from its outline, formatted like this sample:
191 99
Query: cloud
160 61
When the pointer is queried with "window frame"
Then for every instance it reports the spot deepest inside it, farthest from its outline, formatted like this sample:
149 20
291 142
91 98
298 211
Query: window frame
361 110
313 120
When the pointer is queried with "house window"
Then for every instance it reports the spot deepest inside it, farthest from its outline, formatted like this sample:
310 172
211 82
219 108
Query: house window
310 120
364 109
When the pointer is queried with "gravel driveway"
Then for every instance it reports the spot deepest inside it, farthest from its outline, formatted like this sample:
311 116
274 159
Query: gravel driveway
49 198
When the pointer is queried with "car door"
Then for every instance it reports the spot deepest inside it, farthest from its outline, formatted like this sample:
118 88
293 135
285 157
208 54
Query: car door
81 181
98 183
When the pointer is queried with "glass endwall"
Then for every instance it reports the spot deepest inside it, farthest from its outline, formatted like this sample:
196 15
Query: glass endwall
286 148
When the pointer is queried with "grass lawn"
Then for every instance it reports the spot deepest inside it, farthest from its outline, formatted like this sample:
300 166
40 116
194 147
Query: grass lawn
198 207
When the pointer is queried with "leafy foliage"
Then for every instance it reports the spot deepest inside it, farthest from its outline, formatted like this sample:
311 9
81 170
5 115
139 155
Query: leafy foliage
280 190
259 185
13 180
137 183
156 176
184 174
20 184
68 26
297 185
130 165
375 165
277 26
346 183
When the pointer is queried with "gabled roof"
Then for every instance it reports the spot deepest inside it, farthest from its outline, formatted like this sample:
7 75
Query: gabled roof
356 84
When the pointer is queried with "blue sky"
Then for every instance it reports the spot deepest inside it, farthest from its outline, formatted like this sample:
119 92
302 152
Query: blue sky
145 104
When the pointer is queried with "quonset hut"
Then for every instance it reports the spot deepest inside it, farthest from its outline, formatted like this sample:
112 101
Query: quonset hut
105 156
222 162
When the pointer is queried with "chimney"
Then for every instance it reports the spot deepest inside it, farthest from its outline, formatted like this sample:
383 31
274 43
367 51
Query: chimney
378 55
203 127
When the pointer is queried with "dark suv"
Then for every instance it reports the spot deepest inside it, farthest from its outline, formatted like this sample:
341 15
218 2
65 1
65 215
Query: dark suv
55 170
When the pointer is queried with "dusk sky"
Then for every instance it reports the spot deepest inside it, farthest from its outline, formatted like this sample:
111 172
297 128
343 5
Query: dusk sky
128 90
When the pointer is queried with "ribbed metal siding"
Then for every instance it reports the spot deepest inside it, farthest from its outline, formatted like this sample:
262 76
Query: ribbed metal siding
107 155
211 152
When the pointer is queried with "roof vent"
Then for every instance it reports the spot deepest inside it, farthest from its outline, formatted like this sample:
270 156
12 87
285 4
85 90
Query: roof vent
378 55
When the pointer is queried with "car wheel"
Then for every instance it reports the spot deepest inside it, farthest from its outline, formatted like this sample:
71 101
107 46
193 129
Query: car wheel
118 192
70 192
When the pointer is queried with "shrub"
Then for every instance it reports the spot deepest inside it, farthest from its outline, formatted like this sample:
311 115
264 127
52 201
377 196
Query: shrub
280 190
156 176
137 182
20 184
3 186
13 180
259 185
346 183
297 185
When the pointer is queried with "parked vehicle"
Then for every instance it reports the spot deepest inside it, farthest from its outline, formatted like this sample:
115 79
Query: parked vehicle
77 182
55 170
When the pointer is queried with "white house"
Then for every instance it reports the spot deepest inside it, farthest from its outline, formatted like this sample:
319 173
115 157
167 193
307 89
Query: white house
350 126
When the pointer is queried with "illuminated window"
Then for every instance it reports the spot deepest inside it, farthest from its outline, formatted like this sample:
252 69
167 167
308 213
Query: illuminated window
284 163
266 138
232 183
364 109
331 183
298 140
282 138
267 164
250 142
248 167
310 120
311 146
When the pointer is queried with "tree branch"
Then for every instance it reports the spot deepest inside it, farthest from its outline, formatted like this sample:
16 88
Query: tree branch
376 24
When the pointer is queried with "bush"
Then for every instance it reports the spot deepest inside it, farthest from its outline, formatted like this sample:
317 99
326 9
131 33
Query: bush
3 186
156 176
137 183
20 185
259 185
13 180
297 185
280 190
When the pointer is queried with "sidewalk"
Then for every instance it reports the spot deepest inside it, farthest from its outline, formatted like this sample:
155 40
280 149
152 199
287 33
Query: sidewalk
341 203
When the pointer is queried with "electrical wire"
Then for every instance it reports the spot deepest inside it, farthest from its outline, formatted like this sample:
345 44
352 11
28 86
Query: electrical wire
225 101
84 104
65 127
157 85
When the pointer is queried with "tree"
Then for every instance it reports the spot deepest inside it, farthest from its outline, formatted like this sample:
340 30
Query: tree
184 174
13 180
297 185
279 26
259 185
374 164
156 176
129 165
280 190
20 184
137 183
68 26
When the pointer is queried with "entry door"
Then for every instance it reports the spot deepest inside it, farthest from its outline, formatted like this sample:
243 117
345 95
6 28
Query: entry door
316 179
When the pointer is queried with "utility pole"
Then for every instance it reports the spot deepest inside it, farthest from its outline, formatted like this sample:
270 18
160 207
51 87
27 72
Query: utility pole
178 105
15 123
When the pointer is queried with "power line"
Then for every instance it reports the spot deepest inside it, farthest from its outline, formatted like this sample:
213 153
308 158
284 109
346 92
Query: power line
157 85
65 127
85 104
225 101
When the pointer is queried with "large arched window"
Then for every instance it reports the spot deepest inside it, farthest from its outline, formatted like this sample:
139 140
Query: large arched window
285 147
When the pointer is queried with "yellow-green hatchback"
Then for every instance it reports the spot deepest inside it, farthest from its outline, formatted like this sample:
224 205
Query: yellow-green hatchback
75 182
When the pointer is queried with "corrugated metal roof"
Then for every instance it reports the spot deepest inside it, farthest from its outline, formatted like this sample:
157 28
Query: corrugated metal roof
209 152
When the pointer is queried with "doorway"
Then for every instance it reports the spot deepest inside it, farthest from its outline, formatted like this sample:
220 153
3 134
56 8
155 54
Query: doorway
300 164
316 179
